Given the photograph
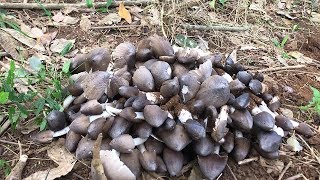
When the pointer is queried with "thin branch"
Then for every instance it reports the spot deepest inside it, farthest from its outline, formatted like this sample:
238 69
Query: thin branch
67 5
5 126
282 68
116 26
285 170
12 143
16 172
216 27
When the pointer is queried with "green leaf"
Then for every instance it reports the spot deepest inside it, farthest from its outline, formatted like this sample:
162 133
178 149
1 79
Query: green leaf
46 11
212 4
66 66
39 105
4 97
5 166
66 48
284 41
43 125
223 2
21 73
316 92
89 3
10 76
276 43
184 41
35 63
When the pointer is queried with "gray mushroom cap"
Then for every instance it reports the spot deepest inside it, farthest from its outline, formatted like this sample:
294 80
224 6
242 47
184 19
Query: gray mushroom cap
72 140
255 86
119 126
203 146
143 79
128 91
154 145
161 71
179 69
43 136
176 139
236 86
304 129
56 120
144 51
148 160
161 166
212 166
161 46
189 86
94 84
242 101
284 123
124 54
80 125
244 76
264 120
269 155
195 129
129 114
98 60
92 107
228 144
123 143
154 115
142 130
173 161
169 124
131 160
241 148
75 88
140 102
96 127
170 88
214 91
242 119
84 149
269 141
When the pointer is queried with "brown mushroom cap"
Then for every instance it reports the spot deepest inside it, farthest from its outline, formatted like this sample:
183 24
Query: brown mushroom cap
176 139
123 143
187 56
241 148
143 79
142 130
79 100
56 120
179 69
94 84
228 144
96 127
80 125
43 136
124 54
304 129
98 59
72 140
92 107
203 146
129 114
154 115
214 91
131 160
236 87
284 123
161 46
115 83
242 119
128 91
78 63
173 161
144 51
75 88
212 166
264 120
119 126
84 149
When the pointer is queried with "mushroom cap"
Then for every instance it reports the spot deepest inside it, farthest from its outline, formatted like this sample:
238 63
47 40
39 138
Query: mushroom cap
268 155
148 160
123 143
72 140
140 102
255 86
161 46
170 88
78 63
267 97
173 161
236 87
169 124
214 91
176 139
203 146
264 120
120 126
179 69
92 107
114 168
80 100
80 125
144 51
189 86
242 101
228 144
241 148
161 71
128 91
274 104
84 149
56 120
113 86
154 115
124 54
304 129
161 166
143 79
242 119
142 130
244 76
94 84
131 160
154 145
195 129
204 71
129 102
43 136
75 89
96 127
284 123
129 114
187 55
259 76
269 141
212 166
98 59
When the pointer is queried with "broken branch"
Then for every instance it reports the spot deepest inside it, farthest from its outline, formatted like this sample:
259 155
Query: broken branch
216 27
281 68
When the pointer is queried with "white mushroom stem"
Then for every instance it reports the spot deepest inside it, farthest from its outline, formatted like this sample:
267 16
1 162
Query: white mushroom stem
221 123
227 77
142 148
67 101
105 114
184 115
184 91
170 115
278 130
238 134
111 110
61 132
156 138
139 141
139 115
256 110
265 108
216 149
223 115
154 97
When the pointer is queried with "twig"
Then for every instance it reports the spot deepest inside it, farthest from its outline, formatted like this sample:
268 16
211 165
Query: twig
285 170
281 68
297 177
67 5
216 27
311 149
4 127
234 176
12 143
246 161
116 26
18 168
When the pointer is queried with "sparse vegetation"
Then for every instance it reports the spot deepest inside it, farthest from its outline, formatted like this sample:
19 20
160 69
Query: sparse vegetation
314 104
5 167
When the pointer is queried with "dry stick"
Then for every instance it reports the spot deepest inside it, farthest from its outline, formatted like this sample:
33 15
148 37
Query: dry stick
246 161
68 5
281 68
311 149
4 127
3 54
233 175
12 143
116 26
298 176
216 27
285 170
18 168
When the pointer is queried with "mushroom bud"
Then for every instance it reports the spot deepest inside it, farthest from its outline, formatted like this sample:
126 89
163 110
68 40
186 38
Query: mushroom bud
148 159
78 63
72 140
131 160
92 107
264 121
119 126
80 125
244 76
269 141
128 91
203 146
195 129
154 145
284 123
124 54
228 144
170 88
189 86
241 147
56 120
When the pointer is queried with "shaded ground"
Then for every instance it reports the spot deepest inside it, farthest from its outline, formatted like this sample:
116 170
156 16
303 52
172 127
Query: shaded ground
306 41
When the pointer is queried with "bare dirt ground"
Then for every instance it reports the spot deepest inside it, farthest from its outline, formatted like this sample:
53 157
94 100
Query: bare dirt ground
292 85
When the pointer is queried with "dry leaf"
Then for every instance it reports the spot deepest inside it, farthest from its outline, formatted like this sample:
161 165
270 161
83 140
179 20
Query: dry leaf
85 23
124 13
57 45
70 20
24 39
154 19
294 144
97 171
135 9
315 17
36 32
110 19
69 9
282 60
58 17
62 157
46 39
301 58
286 112
9 44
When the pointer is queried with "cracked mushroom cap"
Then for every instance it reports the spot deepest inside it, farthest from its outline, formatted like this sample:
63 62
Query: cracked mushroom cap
72 140
98 60
123 143
92 107
173 160
143 79
124 54
242 119
80 125
189 86
203 146
269 141
264 120
212 166
214 91
56 120
131 160
95 84
154 115
195 129
175 139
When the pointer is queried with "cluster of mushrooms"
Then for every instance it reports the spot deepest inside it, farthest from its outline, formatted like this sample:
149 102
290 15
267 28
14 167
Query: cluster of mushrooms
161 107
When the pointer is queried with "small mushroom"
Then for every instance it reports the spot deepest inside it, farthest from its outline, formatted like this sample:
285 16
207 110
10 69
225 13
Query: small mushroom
154 115
236 86
96 127
203 146
119 126
78 63
129 114
245 77
161 71
255 86
124 54
173 161
304 129
161 46
144 51
143 79
179 69
92 107
131 160
148 159
142 130
241 147
189 86
169 124
43 136
94 84
84 149
80 125
123 143
228 144
284 123
161 166
75 88
212 166
80 100
195 129
269 141
264 121
72 140
140 102
274 104
242 101
98 60
56 120
269 155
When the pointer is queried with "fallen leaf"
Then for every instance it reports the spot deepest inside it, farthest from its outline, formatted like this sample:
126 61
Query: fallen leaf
258 5
70 20
36 32
294 144
85 23
282 60
46 39
69 9
9 44
97 171
153 19
35 63
315 17
58 45
60 156
124 13
275 166
58 17
135 9
32 43
111 18
286 112
301 58
21 86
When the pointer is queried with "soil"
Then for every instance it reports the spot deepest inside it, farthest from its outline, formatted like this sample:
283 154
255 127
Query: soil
292 86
